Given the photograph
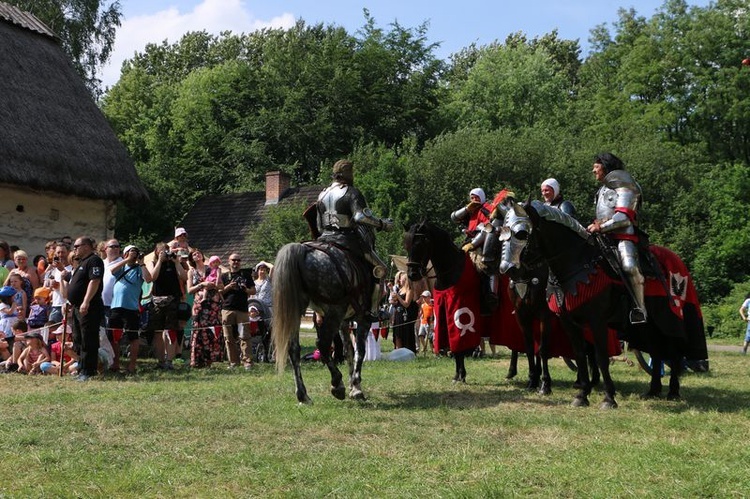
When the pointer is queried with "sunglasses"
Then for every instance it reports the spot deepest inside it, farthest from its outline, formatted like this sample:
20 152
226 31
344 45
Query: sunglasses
76 246
114 246
235 259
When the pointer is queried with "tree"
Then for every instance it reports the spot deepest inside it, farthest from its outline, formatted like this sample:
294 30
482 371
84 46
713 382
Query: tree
516 85
86 29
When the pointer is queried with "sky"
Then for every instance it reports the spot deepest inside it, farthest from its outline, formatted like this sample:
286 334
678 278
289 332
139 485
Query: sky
452 24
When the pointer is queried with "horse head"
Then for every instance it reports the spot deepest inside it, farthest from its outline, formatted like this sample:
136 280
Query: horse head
517 228
419 249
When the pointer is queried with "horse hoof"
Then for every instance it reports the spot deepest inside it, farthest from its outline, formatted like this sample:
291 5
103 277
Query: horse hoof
580 402
608 404
459 380
357 395
673 396
339 392
511 374
545 390
306 401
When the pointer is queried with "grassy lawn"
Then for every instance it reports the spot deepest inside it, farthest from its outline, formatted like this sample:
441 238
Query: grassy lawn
220 433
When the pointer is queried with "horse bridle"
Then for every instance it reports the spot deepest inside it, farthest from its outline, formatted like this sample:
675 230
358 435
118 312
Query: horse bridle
421 268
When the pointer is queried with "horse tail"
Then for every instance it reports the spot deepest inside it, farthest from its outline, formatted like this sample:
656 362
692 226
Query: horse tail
289 299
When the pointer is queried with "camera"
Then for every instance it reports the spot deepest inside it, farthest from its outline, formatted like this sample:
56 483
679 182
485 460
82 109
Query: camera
171 254
56 259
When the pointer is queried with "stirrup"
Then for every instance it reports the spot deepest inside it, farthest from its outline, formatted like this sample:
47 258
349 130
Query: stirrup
379 271
637 316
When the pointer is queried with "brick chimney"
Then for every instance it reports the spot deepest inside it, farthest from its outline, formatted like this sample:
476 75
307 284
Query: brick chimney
277 184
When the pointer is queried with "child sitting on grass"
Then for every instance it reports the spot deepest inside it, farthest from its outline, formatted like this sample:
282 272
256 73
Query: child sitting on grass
33 355
59 351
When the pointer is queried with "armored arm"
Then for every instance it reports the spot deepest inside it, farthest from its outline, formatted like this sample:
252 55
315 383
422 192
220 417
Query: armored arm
365 217
461 215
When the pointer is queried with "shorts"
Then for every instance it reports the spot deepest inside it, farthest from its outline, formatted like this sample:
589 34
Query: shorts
425 330
129 320
163 314
747 332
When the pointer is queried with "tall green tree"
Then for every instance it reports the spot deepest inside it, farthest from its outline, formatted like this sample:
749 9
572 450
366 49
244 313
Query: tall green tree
86 29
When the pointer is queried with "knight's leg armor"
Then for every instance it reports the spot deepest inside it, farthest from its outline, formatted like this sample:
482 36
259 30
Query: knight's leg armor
628 254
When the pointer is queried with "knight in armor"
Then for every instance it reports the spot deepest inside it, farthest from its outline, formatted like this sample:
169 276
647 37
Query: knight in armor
344 218
553 197
474 216
617 203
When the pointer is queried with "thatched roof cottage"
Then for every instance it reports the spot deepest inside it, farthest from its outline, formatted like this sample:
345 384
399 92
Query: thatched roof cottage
62 168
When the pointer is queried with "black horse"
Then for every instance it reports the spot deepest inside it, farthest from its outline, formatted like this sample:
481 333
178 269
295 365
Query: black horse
527 291
337 285
594 295
424 243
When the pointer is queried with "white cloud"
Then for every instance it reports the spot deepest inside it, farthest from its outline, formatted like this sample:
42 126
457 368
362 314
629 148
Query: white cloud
213 16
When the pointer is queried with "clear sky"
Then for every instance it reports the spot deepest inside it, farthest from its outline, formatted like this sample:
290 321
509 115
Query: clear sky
453 24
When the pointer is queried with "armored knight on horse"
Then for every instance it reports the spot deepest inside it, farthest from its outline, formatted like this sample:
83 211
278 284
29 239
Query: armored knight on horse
617 203
343 218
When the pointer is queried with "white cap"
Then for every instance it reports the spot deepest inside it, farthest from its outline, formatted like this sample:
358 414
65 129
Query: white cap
128 248
554 184
477 191
180 231
426 293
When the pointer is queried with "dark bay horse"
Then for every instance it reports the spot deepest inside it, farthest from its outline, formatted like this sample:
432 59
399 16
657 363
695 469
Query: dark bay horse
426 242
594 296
336 285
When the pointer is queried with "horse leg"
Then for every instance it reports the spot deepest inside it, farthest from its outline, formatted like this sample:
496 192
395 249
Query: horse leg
325 340
294 356
460 359
534 367
546 386
575 335
355 378
674 378
655 385
513 367
601 353
594 372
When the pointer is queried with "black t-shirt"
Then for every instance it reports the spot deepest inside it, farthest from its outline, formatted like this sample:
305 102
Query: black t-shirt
236 299
168 281
91 268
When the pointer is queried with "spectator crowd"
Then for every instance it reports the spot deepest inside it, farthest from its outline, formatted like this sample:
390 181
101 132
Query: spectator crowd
82 306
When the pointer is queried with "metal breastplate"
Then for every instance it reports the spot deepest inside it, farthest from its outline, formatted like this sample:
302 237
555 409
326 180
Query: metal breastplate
606 201
335 209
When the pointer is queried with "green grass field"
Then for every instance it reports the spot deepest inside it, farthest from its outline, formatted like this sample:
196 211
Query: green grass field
220 433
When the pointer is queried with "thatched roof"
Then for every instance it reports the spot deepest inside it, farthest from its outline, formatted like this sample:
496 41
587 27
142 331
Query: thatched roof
218 225
53 136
